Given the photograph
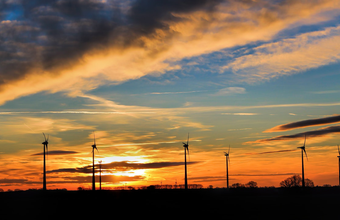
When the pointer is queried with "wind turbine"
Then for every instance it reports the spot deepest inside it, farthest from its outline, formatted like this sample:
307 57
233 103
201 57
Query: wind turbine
94 146
339 162
45 143
303 149
186 148
227 160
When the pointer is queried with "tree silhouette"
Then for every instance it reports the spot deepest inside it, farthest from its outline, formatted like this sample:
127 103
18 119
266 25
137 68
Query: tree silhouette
237 185
251 184
295 181
309 183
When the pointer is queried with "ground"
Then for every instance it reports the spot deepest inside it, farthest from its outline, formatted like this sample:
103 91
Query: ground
264 203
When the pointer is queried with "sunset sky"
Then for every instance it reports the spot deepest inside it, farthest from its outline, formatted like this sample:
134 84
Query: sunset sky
254 74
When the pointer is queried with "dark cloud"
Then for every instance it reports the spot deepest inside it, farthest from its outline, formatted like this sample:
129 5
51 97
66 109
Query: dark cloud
305 123
148 15
121 166
105 178
56 152
72 170
310 134
7 181
46 35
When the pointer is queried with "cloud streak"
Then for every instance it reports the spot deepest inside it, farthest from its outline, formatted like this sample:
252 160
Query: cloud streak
121 166
305 123
230 91
310 134
56 152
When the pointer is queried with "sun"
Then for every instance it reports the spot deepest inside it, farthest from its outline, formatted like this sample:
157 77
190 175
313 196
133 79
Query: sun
131 159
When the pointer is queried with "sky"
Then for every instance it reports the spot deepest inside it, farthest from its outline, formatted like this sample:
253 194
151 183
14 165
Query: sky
254 75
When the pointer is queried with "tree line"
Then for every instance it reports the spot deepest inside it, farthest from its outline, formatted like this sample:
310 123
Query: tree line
290 182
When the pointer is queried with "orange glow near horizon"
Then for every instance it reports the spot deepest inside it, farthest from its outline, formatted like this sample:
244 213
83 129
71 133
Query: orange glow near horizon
210 170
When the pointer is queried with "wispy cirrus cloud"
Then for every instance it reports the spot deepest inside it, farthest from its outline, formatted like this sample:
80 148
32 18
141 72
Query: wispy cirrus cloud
230 91
289 56
246 107
326 92
24 124
305 123
174 93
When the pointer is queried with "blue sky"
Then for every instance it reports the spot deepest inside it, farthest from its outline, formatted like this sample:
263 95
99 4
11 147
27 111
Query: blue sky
224 71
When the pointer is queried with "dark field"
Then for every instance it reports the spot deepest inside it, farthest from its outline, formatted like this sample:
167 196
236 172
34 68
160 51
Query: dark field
268 203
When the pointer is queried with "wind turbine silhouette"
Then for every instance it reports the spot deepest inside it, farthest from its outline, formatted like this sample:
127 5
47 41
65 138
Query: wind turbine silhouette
303 149
227 160
186 148
45 143
94 146
339 162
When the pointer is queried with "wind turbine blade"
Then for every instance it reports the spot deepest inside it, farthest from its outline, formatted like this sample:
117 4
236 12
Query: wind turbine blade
44 136
229 149
305 153
94 138
304 144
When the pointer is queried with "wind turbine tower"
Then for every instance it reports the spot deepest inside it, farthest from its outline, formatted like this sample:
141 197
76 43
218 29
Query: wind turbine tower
45 143
303 150
186 148
94 146
227 168
339 163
